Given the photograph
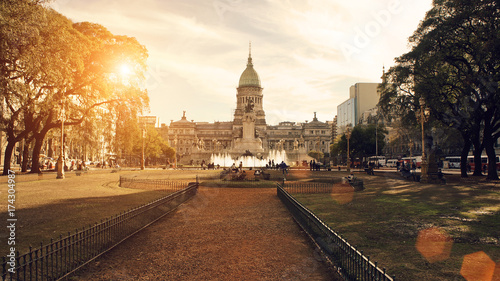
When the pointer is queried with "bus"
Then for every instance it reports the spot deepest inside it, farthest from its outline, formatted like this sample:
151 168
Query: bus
392 162
453 162
378 160
415 159
484 162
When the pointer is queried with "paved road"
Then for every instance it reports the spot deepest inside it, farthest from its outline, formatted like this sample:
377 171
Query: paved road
221 234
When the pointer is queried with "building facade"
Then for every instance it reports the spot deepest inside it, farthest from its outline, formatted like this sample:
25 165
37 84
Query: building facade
363 98
248 132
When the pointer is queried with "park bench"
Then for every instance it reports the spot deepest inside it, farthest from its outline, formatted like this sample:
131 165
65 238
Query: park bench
356 183
261 174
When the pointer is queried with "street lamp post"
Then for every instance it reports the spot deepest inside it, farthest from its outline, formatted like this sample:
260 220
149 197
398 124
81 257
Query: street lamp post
143 162
175 147
348 136
410 146
60 161
376 141
424 165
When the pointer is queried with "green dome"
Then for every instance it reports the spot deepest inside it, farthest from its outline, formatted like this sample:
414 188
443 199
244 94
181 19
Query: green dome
249 77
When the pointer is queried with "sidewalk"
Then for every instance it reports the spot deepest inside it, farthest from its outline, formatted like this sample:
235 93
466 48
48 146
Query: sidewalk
221 234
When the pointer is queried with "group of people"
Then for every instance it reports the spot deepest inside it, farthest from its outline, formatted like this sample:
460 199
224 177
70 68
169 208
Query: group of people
406 166
209 166
313 166
272 165
235 169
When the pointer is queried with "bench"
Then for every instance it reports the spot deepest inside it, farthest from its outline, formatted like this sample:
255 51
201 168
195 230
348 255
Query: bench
356 183
262 174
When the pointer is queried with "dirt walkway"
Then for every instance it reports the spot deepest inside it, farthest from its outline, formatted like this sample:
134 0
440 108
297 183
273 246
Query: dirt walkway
221 234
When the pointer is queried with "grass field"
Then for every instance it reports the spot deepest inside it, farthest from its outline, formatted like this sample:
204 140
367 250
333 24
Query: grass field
386 219
48 208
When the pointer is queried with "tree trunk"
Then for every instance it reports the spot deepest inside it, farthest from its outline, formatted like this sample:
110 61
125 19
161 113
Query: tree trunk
464 163
478 166
35 163
8 157
26 153
489 145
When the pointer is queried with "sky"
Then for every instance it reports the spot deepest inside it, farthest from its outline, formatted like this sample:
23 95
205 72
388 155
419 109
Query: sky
307 52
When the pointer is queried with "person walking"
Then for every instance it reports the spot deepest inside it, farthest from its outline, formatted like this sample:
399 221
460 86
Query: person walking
283 167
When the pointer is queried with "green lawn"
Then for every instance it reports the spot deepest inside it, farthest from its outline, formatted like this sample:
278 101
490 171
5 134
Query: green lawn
48 208
386 218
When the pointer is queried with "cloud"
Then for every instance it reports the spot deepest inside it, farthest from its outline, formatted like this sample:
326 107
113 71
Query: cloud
198 49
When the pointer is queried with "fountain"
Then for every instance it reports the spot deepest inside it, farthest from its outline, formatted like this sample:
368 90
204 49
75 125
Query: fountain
225 159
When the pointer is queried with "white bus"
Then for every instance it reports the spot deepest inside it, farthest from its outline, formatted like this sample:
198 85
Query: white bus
417 160
392 162
453 162
380 160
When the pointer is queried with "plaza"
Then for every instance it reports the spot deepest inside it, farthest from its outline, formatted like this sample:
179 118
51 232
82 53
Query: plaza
303 158
257 214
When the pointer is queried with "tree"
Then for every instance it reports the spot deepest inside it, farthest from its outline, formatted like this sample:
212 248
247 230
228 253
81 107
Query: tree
98 86
54 72
127 131
454 67
318 155
154 145
340 146
19 37
363 141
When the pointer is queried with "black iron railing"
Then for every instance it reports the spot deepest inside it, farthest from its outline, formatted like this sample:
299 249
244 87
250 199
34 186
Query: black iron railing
311 187
335 186
153 184
350 263
61 257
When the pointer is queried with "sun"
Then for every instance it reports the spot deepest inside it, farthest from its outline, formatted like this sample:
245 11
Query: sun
125 70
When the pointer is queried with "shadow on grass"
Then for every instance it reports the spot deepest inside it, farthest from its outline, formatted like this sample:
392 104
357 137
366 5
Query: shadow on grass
386 219
40 224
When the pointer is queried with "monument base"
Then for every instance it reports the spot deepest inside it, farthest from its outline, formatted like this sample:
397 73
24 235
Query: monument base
243 145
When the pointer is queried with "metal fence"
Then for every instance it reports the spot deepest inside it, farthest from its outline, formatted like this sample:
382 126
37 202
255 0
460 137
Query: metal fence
153 184
336 186
351 263
62 257
313 187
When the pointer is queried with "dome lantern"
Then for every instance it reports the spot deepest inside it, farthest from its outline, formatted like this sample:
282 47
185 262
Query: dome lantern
249 77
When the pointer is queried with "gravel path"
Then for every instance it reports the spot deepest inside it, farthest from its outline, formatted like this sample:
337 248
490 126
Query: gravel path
221 234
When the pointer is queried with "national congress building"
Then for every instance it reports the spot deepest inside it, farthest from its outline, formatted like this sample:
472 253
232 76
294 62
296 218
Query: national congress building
248 132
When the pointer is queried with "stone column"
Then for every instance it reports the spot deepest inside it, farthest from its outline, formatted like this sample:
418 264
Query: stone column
249 126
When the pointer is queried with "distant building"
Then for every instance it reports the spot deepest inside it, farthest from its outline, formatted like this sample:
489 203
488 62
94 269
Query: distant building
334 128
197 141
363 99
